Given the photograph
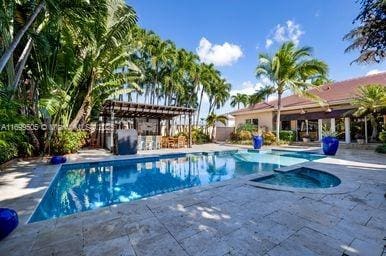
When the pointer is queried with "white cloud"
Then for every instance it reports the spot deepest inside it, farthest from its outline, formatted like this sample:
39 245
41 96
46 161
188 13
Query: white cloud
268 43
290 31
247 87
374 71
220 55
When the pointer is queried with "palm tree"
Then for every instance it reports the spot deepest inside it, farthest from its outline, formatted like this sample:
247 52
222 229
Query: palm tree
103 57
370 100
290 68
212 119
208 76
261 95
239 98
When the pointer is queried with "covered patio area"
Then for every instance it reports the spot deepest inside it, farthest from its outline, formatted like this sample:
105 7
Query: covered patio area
152 123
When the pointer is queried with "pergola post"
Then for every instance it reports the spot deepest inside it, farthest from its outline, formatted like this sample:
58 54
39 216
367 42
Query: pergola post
366 137
190 131
112 127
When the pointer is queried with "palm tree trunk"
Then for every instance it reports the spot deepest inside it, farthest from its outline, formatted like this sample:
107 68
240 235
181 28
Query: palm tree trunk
278 117
85 109
238 105
199 106
8 53
374 132
21 64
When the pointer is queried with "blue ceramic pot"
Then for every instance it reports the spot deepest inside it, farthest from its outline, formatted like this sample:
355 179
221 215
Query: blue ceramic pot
330 145
8 221
58 159
257 141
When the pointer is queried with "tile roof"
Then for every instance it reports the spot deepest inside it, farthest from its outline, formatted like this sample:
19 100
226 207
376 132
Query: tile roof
330 93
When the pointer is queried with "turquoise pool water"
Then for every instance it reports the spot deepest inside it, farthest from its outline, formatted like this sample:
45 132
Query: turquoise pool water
302 178
82 187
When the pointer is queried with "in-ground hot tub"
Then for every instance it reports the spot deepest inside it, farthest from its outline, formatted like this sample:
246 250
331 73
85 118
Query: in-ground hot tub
302 177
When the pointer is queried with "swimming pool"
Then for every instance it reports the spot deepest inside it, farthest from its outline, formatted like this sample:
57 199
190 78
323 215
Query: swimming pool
83 187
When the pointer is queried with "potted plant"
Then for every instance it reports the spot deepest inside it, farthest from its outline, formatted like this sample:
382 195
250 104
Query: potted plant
330 143
257 139
306 138
360 138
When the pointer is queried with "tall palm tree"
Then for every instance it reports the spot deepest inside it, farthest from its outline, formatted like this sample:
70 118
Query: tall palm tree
208 76
261 95
239 98
103 57
219 94
370 100
212 119
290 68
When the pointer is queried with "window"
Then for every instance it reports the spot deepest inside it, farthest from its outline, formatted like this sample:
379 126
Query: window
252 121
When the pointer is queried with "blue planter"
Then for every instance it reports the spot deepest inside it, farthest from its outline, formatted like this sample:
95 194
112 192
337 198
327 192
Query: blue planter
330 145
58 160
257 141
8 221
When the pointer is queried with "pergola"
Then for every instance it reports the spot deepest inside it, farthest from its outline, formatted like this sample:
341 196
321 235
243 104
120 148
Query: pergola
113 110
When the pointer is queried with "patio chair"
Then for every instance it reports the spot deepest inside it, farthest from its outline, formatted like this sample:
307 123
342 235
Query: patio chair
181 142
172 142
149 142
158 142
140 143
164 142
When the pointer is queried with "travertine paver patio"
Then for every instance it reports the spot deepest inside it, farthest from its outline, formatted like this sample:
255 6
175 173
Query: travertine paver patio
226 218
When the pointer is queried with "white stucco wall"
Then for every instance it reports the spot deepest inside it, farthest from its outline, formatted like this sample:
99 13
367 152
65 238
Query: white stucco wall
265 119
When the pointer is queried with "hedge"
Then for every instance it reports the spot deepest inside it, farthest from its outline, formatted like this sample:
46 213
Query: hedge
287 135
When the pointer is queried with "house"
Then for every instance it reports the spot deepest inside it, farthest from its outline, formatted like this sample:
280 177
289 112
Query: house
308 117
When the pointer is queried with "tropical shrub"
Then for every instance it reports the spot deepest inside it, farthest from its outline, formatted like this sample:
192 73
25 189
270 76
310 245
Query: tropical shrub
269 137
199 136
381 149
7 151
245 135
382 136
287 135
66 142
13 144
247 127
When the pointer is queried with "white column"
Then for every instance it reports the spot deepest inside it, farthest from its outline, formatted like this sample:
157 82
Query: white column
320 128
306 126
332 125
347 129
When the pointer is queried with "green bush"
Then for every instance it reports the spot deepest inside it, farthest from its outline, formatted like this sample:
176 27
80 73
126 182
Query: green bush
382 136
247 127
66 142
381 149
287 135
7 151
199 137
13 144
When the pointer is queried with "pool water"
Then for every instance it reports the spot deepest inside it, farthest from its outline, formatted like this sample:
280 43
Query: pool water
82 187
302 178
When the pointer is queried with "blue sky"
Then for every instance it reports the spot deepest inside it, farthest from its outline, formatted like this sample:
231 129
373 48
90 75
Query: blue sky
232 33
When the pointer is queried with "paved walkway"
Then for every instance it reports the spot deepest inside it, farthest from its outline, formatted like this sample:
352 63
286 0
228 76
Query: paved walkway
226 218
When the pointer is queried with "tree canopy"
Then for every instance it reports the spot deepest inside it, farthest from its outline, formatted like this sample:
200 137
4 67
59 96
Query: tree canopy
369 37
